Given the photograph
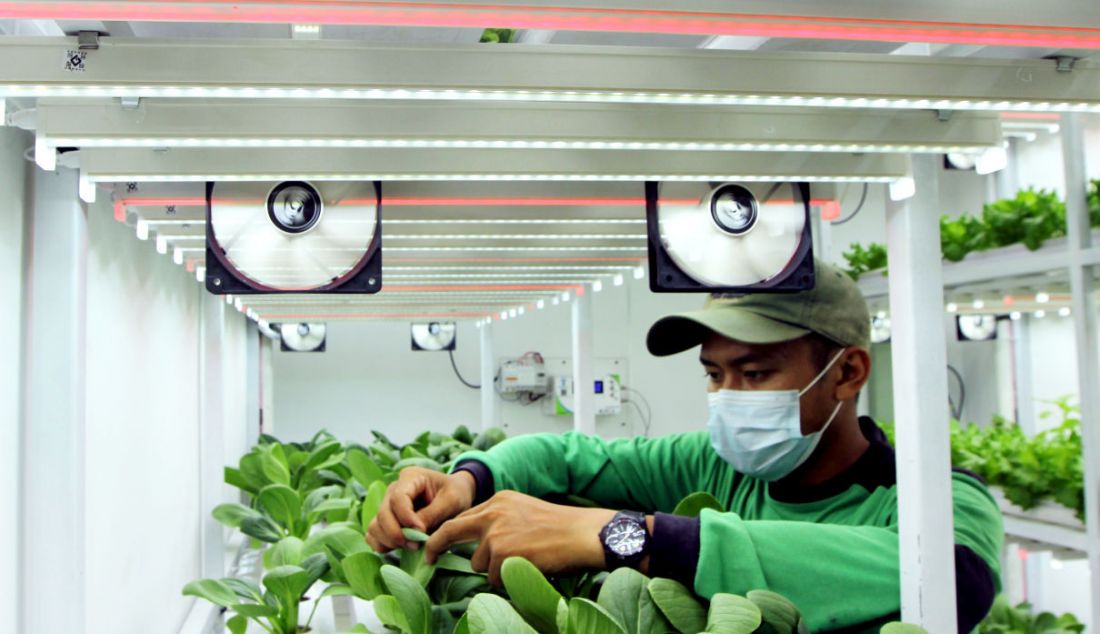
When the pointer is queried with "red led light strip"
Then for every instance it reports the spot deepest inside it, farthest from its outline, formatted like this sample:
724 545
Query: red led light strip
557 18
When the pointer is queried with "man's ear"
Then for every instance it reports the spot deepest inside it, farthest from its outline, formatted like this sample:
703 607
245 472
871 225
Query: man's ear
855 366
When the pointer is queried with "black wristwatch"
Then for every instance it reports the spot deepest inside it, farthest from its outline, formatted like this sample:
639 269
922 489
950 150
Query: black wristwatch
625 540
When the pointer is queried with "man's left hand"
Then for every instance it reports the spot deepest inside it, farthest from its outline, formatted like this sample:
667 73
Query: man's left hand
555 538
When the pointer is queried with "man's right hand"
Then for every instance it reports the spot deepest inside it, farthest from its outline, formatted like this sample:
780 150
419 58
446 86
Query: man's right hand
439 497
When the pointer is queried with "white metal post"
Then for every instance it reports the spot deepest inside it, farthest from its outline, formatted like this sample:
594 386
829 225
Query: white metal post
211 430
252 383
920 404
584 412
1088 353
1023 379
52 549
490 407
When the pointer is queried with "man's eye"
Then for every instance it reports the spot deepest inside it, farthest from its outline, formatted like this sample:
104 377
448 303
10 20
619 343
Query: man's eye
713 376
755 375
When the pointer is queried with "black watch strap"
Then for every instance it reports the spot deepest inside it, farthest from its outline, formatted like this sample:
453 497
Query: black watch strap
625 519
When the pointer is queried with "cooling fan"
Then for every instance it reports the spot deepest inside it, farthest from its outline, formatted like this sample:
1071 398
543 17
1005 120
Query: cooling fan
293 236
976 327
433 336
303 337
738 238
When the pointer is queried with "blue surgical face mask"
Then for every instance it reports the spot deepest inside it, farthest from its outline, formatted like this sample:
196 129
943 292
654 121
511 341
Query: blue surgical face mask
759 432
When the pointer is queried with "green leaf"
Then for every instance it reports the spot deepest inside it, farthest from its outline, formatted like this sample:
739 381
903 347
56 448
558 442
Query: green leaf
779 613
372 502
693 504
650 619
534 597
731 614
341 539
262 528
321 455
281 503
902 628
237 624
213 590
287 552
414 535
454 563
389 612
412 562
678 605
588 617
363 468
319 495
622 596
254 610
288 583
489 438
363 571
337 590
422 462
463 625
274 465
412 598
490 614
234 477
233 514
245 588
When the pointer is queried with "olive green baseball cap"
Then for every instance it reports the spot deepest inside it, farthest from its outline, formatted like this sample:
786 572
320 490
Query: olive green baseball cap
834 309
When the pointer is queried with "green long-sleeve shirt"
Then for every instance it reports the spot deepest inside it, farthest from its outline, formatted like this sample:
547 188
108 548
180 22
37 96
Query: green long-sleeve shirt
832 549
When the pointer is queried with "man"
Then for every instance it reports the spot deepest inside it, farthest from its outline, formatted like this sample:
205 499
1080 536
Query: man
809 486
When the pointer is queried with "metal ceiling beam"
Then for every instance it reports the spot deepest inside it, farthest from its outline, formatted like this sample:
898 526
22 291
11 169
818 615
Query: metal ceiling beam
190 164
345 70
1009 23
188 123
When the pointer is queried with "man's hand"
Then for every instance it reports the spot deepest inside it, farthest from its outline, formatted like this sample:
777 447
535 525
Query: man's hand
554 538
438 496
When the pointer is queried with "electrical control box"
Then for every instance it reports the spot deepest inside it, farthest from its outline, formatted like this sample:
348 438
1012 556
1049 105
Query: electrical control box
606 393
523 375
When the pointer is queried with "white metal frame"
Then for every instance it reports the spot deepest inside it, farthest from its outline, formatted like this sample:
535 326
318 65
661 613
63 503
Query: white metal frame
34 67
925 528
196 164
265 124
1083 286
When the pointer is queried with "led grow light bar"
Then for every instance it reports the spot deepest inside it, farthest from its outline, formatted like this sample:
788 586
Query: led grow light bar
168 124
288 70
310 164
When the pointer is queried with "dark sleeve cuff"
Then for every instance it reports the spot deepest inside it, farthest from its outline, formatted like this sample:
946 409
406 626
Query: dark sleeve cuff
483 479
974 589
674 551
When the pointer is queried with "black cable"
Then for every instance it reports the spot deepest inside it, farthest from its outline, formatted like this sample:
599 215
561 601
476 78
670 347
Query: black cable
859 207
957 413
459 374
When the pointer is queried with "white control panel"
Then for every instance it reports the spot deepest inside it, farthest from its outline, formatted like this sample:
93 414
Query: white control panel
523 376
606 393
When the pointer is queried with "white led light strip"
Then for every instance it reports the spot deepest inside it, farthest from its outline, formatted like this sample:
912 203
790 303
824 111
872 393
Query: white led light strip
192 178
523 144
387 269
517 236
575 96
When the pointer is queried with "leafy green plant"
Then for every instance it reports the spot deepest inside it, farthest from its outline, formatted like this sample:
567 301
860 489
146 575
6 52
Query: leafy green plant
498 36
1005 619
1031 217
628 603
275 607
864 259
1048 466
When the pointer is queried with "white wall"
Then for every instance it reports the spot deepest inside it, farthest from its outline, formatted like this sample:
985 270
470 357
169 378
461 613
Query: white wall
143 459
13 174
369 379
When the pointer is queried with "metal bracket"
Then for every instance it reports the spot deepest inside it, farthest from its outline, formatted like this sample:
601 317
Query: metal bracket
130 103
88 40
944 115
1064 63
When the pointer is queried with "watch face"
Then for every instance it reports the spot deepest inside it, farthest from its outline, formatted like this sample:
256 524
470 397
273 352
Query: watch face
625 538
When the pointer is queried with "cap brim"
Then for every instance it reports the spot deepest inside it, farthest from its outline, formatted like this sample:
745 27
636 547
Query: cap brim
682 331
